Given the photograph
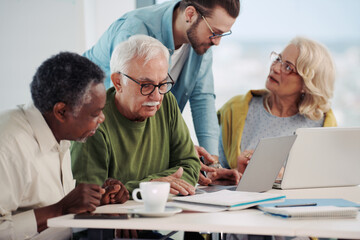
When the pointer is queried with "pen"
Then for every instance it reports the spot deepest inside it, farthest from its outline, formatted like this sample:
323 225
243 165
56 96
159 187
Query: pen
297 205
202 160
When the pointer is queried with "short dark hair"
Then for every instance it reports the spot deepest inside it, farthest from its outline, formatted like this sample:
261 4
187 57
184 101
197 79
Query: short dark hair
64 77
205 7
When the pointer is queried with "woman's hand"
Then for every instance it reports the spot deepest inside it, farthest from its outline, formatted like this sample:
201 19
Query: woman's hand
243 160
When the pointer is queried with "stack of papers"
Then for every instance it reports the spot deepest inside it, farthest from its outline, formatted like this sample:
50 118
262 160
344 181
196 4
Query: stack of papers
224 200
316 208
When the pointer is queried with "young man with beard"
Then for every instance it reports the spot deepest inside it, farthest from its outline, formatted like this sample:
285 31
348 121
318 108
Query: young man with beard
187 28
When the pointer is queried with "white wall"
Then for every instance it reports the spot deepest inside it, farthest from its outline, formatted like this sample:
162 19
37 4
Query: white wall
99 14
33 30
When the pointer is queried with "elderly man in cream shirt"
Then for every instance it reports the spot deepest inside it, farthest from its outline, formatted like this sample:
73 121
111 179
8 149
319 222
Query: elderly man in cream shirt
36 181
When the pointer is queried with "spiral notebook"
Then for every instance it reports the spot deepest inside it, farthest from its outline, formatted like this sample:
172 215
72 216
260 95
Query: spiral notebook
312 212
317 208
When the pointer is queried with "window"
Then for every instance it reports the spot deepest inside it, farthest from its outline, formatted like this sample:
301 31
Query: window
242 59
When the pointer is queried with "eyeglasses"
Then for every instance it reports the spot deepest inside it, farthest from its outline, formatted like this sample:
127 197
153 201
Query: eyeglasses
148 88
214 35
286 67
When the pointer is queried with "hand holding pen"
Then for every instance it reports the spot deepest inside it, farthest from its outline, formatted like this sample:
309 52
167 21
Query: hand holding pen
205 159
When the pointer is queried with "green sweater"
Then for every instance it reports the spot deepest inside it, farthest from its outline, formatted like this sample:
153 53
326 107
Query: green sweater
133 152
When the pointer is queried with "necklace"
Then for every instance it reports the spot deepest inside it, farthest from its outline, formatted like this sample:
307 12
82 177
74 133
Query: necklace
267 105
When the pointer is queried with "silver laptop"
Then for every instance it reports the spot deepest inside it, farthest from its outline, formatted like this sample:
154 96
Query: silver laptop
268 158
323 157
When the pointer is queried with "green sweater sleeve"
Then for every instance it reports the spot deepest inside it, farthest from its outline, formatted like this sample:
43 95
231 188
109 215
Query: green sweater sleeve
182 151
90 160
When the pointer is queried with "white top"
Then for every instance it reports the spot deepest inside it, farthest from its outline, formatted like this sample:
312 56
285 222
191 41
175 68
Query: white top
261 124
178 59
35 171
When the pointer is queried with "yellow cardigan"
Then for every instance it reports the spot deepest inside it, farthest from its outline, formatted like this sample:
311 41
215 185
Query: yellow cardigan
232 118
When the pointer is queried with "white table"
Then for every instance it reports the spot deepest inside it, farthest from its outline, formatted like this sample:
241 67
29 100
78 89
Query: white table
248 221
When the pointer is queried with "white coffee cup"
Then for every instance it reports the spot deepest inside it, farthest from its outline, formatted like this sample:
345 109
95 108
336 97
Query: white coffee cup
154 195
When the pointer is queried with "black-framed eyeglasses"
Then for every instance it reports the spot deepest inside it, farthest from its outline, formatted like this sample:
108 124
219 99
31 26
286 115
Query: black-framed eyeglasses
214 35
148 88
286 67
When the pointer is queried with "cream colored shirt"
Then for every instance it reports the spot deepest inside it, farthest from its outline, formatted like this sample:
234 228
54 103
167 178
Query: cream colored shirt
35 171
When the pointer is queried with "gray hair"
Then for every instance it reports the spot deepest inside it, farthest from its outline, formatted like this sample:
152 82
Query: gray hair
66 77
139 46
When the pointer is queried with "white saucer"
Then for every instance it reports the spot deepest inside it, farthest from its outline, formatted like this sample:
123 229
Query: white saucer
169 211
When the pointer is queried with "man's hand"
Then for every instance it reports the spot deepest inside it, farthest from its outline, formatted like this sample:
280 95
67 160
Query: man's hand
177 185
243 160
115 192
203 180
84 198
207 160
224 176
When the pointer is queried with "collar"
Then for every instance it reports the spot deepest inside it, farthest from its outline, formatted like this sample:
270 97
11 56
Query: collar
42 133
166 27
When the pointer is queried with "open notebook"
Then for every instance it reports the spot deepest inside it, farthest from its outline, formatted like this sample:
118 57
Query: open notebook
224 200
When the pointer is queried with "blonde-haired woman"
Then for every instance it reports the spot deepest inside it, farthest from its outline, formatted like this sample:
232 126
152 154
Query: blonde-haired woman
298 92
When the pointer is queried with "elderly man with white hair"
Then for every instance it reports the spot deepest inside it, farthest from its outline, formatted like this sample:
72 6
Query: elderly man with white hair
144 137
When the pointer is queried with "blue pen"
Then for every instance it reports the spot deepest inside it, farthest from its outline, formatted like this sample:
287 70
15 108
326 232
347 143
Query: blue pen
202 160
297 205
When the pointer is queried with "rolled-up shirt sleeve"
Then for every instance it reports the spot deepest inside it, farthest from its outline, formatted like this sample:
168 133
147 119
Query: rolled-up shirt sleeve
12 184
13 225
19 226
